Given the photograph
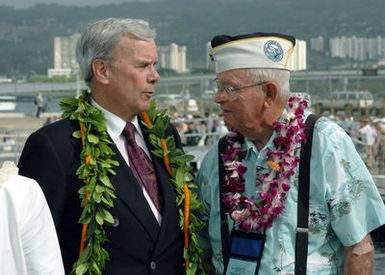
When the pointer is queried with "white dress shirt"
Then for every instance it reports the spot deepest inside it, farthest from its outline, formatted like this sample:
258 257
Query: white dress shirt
28 241
115 127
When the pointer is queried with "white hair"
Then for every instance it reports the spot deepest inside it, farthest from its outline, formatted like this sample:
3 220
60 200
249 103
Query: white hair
100 39
281 79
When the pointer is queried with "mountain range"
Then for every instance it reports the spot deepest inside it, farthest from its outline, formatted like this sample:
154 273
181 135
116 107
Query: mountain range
26 35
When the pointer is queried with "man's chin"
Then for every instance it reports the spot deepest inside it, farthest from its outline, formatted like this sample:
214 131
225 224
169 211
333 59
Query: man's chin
229 123
146 106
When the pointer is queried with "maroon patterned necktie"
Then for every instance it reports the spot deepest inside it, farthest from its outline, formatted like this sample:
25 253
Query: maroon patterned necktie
141 165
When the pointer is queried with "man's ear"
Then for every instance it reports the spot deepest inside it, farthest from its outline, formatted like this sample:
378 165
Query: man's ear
100 71
271 94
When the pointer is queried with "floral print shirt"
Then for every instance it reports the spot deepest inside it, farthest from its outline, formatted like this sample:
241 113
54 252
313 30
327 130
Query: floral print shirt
344 204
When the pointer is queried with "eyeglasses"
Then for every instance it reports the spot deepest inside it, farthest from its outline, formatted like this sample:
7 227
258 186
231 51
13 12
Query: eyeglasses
232 91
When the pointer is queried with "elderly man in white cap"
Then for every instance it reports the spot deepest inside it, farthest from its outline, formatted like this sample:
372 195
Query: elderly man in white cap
284 192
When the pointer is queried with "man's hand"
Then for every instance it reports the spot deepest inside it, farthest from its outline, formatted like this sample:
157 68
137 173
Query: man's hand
359 258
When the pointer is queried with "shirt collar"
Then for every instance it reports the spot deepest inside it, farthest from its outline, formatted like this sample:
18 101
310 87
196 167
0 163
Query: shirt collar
250 146
115 125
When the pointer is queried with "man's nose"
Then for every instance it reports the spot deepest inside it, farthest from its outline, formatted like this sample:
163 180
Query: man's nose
154 76
220 96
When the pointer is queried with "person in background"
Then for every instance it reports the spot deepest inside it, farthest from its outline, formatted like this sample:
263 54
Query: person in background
28 241
221 129
380 146
118 59
40 103
367 134
345 123
249 181
193 134
182 128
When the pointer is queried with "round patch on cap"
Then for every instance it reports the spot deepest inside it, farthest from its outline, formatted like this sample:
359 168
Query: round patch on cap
273 50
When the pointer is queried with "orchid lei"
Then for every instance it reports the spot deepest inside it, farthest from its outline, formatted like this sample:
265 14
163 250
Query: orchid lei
256 215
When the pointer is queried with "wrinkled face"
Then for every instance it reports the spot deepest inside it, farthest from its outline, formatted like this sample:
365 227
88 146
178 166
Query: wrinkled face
132 77
245 111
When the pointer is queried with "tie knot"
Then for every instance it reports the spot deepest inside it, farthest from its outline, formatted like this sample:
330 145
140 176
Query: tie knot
129 131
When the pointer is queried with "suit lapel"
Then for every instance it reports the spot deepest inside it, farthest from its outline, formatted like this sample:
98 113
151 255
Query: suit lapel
169 230
129 191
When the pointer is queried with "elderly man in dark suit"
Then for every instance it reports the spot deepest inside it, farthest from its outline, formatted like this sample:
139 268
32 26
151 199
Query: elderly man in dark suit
117 58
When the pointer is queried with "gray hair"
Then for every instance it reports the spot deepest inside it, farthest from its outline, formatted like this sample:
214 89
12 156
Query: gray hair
100 39
280 77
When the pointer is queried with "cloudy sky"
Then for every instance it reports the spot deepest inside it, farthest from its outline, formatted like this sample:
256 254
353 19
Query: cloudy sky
29 3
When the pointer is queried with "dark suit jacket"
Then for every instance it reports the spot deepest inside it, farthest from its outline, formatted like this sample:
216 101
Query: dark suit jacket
137 244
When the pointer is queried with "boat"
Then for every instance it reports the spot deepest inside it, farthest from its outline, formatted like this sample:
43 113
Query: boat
7 103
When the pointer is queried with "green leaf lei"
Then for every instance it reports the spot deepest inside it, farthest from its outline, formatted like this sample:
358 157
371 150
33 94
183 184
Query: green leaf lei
98 193
181 174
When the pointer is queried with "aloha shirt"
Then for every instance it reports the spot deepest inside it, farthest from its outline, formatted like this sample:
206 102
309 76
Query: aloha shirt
344 204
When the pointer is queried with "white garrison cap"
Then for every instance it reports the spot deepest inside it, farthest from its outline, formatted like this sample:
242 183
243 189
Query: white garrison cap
255 50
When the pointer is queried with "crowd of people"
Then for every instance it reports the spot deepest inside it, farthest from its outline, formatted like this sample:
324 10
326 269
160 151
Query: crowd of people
281 191
196 130
369 137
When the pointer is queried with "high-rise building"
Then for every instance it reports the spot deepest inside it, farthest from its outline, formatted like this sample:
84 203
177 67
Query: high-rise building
298 59
317 44
358 48
173 57
64 55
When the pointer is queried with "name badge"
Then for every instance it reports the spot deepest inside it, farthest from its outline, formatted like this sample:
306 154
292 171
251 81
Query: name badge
245 253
